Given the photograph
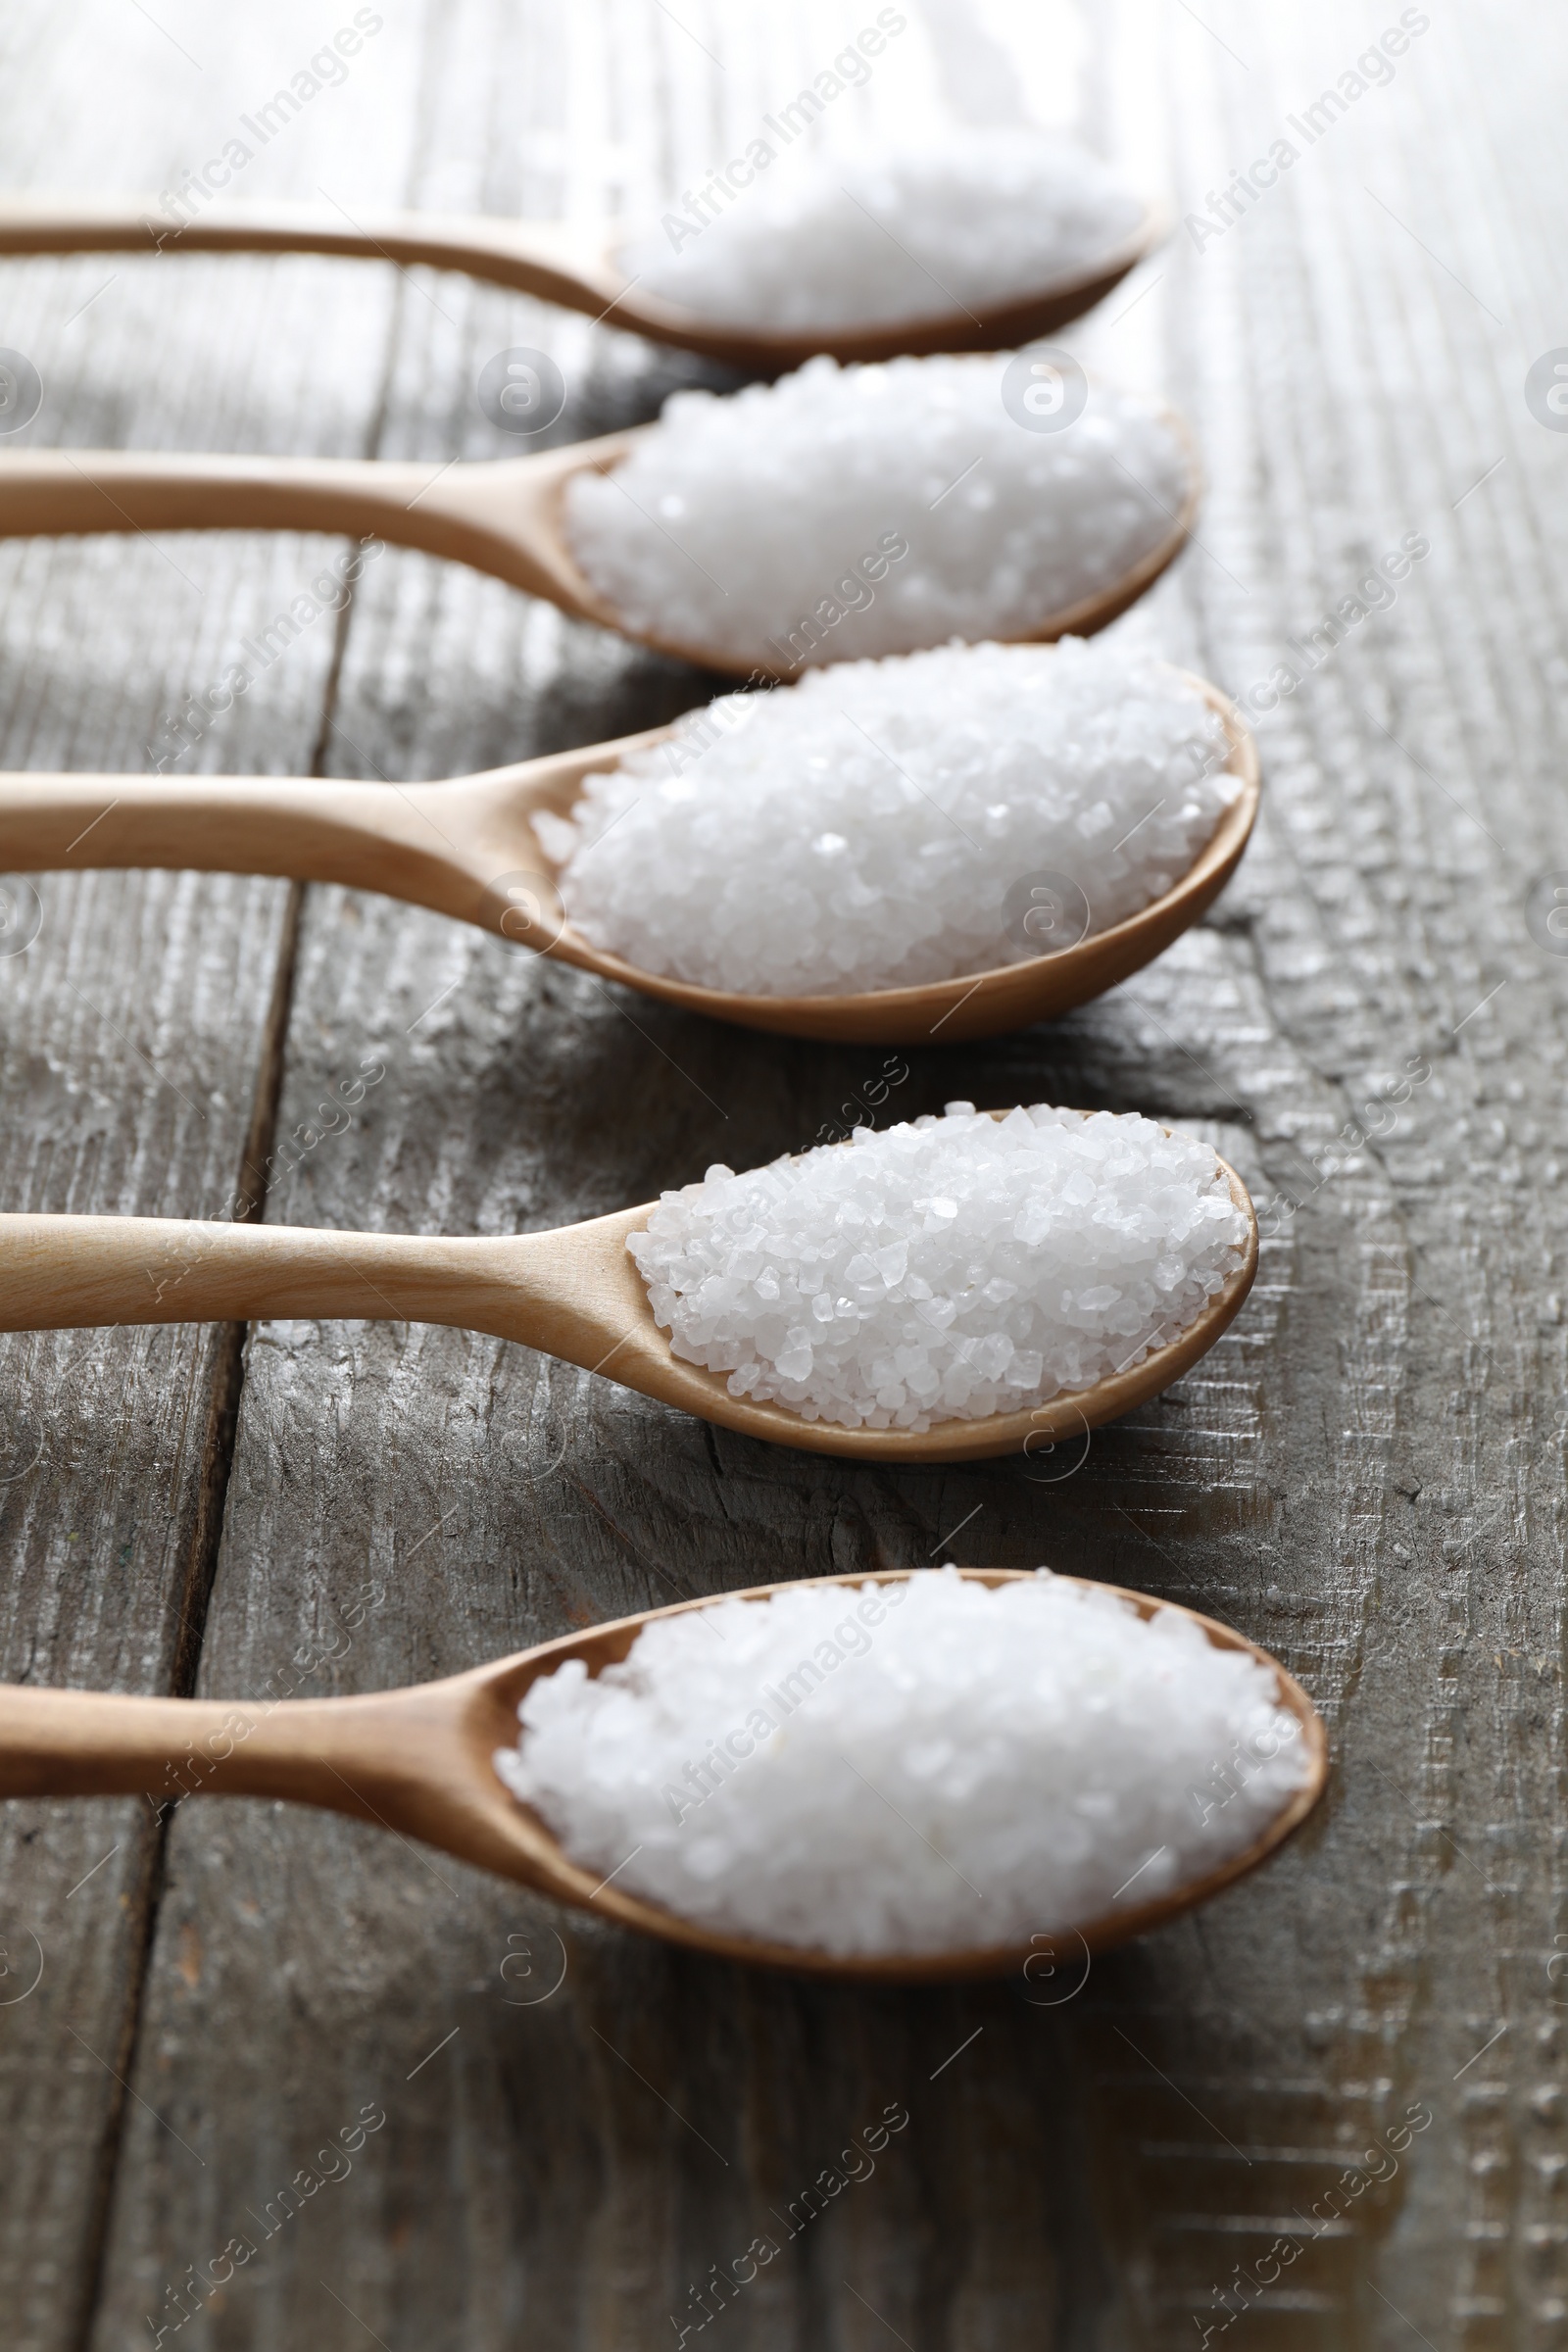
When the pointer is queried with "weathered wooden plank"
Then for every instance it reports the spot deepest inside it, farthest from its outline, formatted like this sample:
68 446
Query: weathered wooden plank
135 1067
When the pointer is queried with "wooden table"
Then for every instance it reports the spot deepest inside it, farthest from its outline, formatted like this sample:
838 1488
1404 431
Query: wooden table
571 2129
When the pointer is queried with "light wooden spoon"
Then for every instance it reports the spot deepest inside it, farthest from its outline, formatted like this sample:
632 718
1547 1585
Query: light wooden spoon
503 516
574 1292
419 1761
578 268
468 849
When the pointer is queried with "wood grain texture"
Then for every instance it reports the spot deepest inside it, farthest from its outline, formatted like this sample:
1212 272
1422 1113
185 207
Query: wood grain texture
1366 1475
134 1055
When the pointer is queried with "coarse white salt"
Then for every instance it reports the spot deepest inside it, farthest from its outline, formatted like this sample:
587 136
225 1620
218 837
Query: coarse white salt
872 827
944 1270
965 220
852 510
934 1766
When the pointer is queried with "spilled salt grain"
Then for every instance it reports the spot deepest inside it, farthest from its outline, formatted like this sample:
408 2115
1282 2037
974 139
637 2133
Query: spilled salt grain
964 220
872 827
924 1767
945 1270
852 510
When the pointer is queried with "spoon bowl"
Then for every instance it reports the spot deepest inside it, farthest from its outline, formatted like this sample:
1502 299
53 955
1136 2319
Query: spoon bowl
578 268
468 849
419 1762
574 1292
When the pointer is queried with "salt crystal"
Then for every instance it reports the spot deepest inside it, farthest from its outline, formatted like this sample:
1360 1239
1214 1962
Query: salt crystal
873 826
925 1767
1111 1235
852 510
964 220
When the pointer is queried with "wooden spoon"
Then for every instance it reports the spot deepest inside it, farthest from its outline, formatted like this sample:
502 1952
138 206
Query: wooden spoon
504 516
468 849
574 1292
574 267
420 1762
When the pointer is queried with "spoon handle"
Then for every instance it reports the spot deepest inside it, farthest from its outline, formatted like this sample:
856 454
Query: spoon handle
535 258
571 1293
493 514
105 1743
423 843
352 1755
61 1272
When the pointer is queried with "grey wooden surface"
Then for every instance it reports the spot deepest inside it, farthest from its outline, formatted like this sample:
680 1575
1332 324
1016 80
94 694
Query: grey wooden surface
1367 1475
